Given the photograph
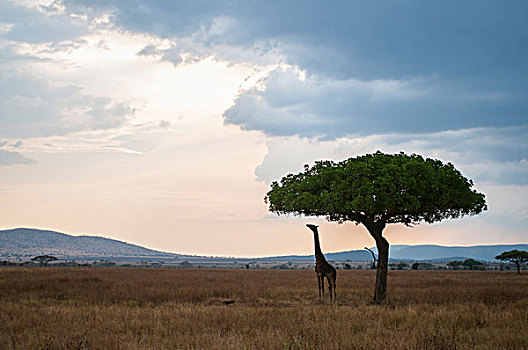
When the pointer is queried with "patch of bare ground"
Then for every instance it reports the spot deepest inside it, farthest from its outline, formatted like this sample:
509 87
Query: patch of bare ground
119 308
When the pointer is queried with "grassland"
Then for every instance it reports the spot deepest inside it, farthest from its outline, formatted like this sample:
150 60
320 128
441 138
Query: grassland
119 308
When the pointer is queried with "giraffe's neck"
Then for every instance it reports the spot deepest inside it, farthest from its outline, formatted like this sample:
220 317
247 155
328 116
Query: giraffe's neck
318 253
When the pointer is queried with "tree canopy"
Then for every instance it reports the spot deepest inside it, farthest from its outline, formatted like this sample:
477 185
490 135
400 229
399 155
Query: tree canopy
456 264
44 259
472 263
393 188
515 256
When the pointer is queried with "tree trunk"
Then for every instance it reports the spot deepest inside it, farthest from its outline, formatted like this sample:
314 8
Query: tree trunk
380 290
518 265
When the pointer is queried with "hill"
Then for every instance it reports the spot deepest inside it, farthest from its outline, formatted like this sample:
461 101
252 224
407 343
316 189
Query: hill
26 243
351 255
425 252
438 252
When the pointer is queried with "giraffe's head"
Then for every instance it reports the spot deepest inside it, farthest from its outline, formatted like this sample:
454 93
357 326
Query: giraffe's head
312 227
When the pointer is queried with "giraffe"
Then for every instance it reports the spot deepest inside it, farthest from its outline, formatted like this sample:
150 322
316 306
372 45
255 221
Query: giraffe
322 267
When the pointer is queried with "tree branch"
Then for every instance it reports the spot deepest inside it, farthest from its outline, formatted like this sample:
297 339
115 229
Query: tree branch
373 257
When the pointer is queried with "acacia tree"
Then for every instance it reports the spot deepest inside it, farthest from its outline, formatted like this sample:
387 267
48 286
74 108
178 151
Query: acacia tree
517 257
375 190
44 259
471 263
455 264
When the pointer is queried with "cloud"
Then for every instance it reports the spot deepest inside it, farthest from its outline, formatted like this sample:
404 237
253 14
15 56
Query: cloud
33 104
348 70
150 50
292 102
444 80
9 157
31 107
487 155
509 202
34 24
364 40
12 158
370 67
130 139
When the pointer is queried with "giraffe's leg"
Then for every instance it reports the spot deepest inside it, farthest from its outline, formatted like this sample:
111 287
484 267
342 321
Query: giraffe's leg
330 285
322 285
335 298
319 285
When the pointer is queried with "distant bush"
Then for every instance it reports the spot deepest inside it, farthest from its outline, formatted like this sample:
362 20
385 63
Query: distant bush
186 265
472 264
422 266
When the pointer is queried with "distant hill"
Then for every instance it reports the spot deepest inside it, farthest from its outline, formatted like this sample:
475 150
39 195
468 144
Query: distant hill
27 243
428 252
351 255
437 252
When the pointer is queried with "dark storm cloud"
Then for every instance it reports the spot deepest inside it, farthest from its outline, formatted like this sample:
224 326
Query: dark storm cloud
465 60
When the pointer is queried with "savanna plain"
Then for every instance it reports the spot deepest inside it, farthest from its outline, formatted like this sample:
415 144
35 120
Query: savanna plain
127 308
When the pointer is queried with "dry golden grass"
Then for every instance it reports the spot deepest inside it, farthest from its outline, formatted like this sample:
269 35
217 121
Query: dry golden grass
118 308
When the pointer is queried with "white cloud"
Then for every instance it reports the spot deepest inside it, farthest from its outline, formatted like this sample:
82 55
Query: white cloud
10 157
487 155
89 93
31 107
507 202
6 27
40 22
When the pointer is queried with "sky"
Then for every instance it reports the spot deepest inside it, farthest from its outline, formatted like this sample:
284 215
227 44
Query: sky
163 123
